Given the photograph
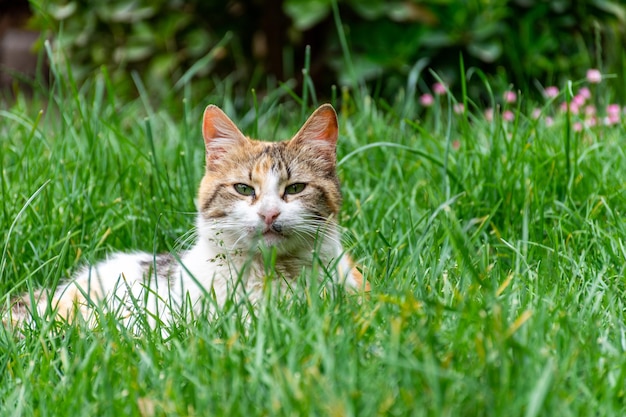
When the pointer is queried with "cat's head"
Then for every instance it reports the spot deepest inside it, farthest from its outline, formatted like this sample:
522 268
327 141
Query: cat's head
280 194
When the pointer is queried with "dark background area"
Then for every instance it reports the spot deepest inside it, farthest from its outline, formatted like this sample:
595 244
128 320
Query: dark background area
17 57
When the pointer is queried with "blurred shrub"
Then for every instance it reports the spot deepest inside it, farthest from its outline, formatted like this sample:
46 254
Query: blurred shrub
519 41
514 41
160 40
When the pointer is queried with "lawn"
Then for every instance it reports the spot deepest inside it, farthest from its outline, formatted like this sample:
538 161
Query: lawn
493 240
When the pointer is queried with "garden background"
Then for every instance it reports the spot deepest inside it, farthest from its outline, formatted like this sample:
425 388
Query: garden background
483 166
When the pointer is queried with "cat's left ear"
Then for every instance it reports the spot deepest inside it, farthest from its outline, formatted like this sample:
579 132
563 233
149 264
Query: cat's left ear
220 134
320 131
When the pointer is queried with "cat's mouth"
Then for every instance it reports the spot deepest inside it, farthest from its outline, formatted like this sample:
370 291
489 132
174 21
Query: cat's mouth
272 232
272 235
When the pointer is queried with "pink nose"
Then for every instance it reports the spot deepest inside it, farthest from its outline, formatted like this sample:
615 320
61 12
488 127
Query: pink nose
269 216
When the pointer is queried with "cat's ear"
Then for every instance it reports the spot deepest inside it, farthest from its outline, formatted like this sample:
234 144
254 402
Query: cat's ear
319 132
220 134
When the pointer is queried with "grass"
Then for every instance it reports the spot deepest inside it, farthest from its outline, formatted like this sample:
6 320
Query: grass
495 251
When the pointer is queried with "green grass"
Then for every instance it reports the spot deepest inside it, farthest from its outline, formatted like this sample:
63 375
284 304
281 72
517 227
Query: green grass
498 268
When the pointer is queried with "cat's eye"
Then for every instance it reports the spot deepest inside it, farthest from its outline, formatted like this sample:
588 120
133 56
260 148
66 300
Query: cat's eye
296 188
244 189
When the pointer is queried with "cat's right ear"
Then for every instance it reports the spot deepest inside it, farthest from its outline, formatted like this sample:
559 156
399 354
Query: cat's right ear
220 134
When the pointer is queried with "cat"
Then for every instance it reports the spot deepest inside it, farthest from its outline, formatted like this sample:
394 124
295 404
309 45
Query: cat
255 196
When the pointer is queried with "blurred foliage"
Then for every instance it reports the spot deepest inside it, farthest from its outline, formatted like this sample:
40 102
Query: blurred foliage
514 42
162 41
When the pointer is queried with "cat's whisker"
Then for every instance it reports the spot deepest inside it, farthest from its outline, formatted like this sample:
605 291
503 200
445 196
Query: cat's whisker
186 239
242 236
316 234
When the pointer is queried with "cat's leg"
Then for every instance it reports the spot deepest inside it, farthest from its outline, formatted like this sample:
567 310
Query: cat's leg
64 302
351 276
21 308
127 286
69 298
114 284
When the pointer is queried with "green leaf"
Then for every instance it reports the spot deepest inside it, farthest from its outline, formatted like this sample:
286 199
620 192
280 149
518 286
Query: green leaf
437 39
486 51
125 12
611 7
306 14
538 395
133 53
373 9
62 12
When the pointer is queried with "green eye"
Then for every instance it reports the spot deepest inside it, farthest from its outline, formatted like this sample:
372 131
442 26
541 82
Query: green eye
244 189
295 188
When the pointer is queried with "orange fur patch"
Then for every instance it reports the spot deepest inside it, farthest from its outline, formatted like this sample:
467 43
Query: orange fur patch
358 276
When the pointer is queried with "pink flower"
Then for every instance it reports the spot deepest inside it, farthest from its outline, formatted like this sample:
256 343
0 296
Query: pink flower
551 91
573 107
613 114
578 100
456 144
459 108
578 127
536 114
549 121
590 110
508 116
427 100
594 76
439 89
611 120
489 114
585 92
510 96
613 110
592 121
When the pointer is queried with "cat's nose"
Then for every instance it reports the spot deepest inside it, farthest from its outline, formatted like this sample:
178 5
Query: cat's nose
268 216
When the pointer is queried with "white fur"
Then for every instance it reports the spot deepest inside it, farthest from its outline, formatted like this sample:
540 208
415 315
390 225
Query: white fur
224 260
